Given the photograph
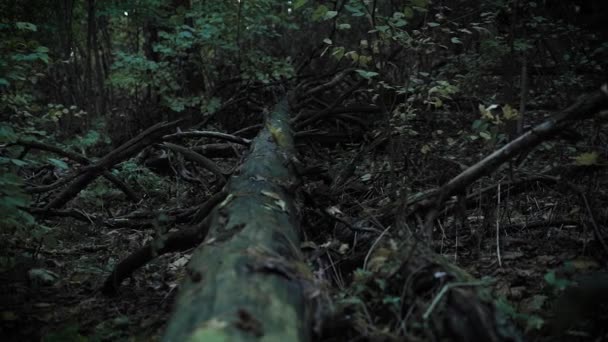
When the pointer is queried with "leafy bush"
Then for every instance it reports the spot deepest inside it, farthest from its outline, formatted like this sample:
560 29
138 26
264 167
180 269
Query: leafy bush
13 199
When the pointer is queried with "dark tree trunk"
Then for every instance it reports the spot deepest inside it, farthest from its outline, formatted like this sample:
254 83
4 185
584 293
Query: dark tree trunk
246 281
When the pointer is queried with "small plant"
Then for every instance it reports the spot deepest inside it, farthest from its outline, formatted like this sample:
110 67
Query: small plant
13 200
490 126
531 322
142 178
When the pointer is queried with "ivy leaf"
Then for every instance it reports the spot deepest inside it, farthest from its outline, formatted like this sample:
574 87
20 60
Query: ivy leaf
367 74
456 40
344 27
586 159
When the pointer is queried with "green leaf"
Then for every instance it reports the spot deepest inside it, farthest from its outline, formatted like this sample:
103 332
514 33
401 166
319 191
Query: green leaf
330 14
58 163
476 124
485 135
366 74
399 23
391 300
338 52
14 201
534 323
456 40
559 283
4 82
319 13
351 301
7 134
299 3
433 24
356 11
213 105
586 159
408 12
344 26
19 162
185 34
382 28
25 26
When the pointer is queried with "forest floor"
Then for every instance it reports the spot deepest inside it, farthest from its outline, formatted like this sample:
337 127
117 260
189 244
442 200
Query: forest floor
53 291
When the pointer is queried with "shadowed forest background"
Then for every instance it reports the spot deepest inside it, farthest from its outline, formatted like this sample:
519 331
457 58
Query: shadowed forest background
347 170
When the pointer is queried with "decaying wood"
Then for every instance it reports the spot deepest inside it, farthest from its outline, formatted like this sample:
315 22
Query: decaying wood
207 134
303 122
75 157
226 150
462 308
245 282
90 172
585 107
200 159
175 242
181 240
333 82
457 294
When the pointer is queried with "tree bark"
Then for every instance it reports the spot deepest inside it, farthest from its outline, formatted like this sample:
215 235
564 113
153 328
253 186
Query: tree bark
246 280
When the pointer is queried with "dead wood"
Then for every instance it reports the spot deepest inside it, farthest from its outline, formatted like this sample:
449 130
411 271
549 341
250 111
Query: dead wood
179 241
90 172
334 81
201 160
585 107
246 281
303 122
207 134
226 150
78 158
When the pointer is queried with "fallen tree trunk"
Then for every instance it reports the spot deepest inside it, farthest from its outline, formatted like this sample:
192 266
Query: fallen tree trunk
246 280
585 107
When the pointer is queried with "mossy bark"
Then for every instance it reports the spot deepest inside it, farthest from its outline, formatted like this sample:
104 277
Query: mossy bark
245 281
